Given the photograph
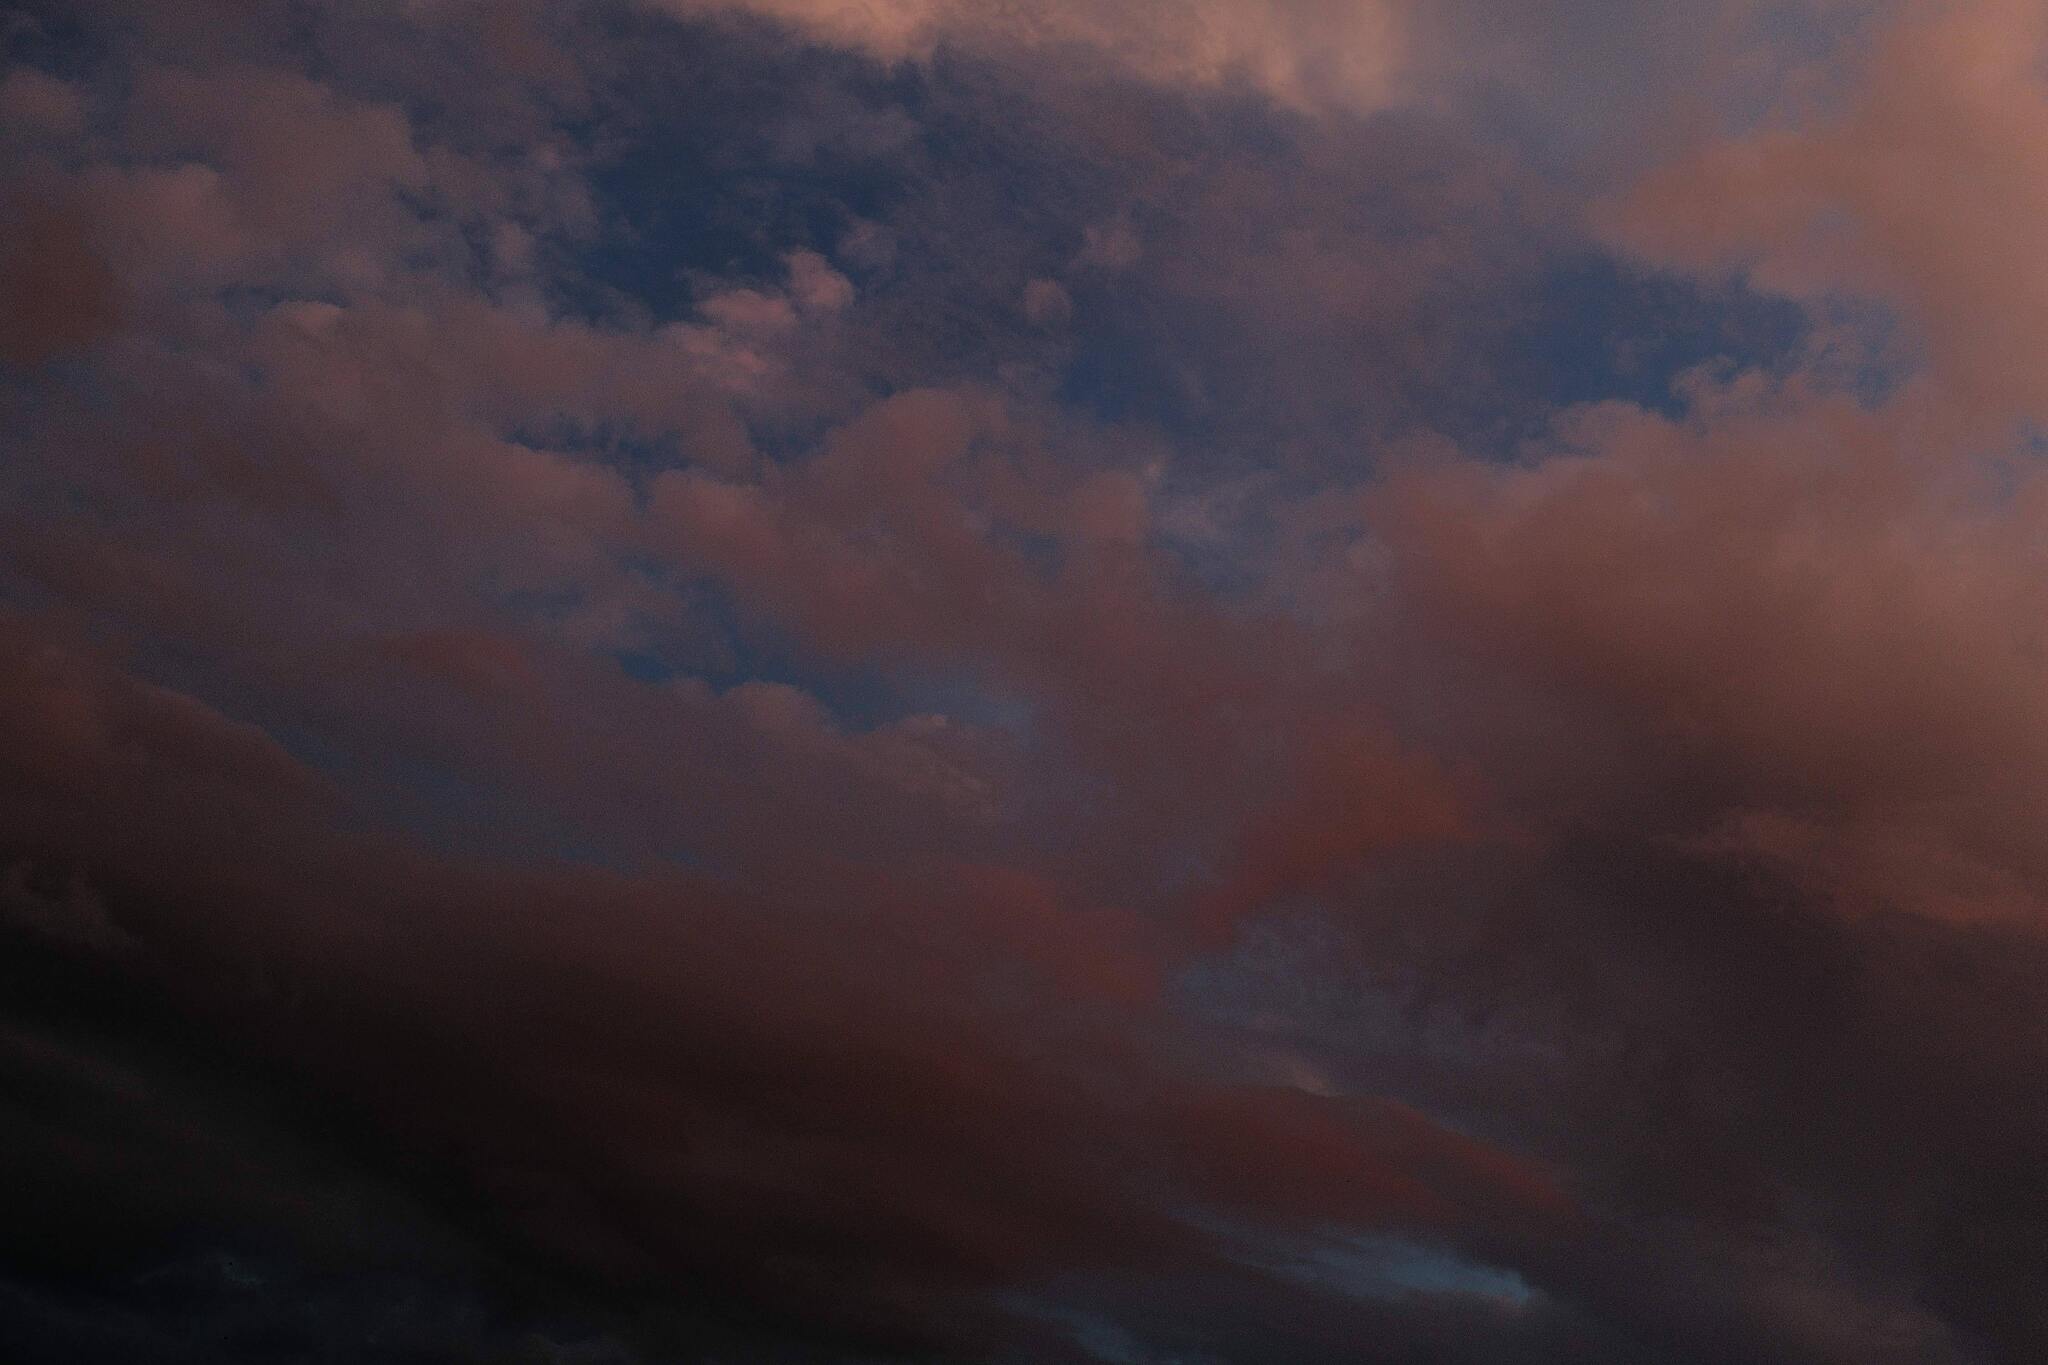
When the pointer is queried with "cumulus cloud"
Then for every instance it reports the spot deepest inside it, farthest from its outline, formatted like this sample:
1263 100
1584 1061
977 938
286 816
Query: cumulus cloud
1910 185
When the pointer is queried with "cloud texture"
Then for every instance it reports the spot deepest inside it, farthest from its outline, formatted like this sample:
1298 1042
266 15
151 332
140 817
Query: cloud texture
755 680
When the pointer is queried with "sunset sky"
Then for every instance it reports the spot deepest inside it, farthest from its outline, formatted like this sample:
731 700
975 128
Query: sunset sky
1024 682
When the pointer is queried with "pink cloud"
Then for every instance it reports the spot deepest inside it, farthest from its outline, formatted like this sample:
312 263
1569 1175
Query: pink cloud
1914 184
1302 52
1785 633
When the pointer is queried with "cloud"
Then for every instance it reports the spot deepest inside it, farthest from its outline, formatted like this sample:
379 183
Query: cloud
58 294
1297 51
1908 185
818 1090
1751 606
40 103
774 680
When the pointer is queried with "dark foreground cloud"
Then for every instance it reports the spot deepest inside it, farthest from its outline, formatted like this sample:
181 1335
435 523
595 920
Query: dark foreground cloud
1216 682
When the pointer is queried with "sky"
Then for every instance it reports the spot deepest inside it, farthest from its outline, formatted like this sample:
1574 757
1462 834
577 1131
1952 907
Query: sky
1071 682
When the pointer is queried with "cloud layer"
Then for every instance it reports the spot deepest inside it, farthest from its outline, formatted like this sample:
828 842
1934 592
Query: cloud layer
1206 682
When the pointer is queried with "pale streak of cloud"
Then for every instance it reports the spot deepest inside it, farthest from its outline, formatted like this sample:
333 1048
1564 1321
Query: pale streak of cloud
1302 53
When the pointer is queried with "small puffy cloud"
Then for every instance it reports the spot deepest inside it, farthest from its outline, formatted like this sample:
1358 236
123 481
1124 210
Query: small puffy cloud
32 100
1047 303
816 286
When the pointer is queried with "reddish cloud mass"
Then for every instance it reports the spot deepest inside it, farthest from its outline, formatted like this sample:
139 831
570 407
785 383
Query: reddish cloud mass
1213 681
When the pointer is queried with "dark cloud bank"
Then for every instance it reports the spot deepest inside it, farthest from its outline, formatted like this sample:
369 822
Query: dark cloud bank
1214 681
